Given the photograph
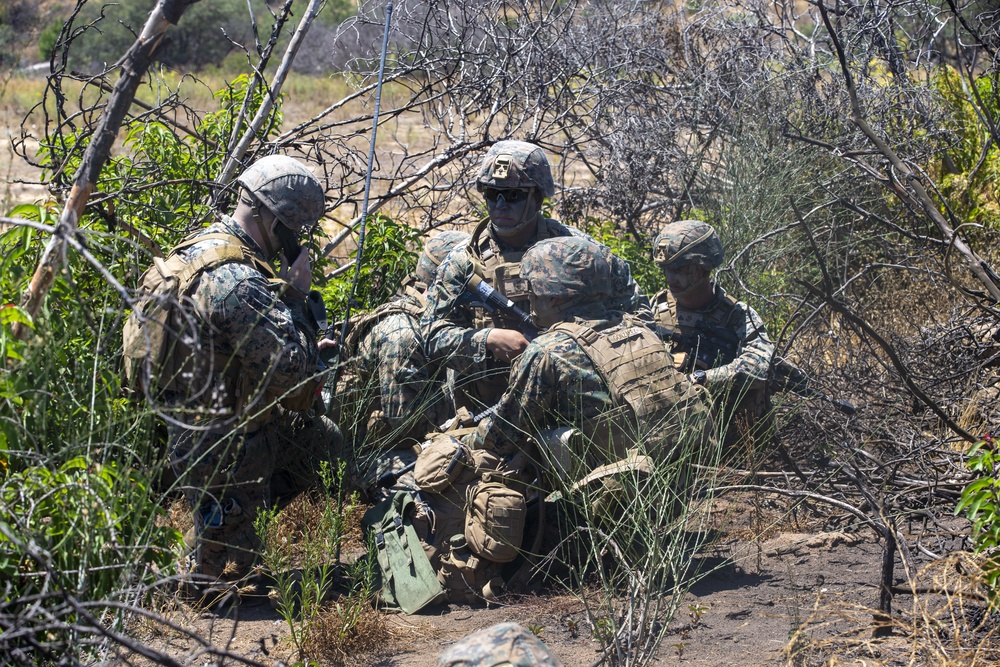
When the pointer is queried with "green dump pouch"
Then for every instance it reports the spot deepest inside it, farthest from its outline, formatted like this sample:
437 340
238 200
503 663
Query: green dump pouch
409 583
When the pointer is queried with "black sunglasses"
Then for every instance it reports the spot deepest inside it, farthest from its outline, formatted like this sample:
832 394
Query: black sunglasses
510 195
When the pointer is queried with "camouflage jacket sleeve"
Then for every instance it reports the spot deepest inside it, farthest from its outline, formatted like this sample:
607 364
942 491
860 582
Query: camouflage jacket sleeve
553 384
524 407
446 327
392 352
755 355
271 338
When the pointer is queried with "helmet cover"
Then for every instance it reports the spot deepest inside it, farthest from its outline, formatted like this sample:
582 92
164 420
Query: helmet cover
501 645
567 266
688 242
287 188
516 164
436 248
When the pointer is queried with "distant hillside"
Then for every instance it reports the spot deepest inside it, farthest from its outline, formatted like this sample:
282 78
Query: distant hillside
22 22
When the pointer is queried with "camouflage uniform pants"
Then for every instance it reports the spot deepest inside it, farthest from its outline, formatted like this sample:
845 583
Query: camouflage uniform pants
229 477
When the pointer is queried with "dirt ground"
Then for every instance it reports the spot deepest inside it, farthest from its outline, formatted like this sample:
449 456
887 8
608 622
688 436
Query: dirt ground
793 598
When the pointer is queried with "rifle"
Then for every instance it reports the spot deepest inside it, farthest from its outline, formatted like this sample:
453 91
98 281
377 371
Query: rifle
478 292
714 345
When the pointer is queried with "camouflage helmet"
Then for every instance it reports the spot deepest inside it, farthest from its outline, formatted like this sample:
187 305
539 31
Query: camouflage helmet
567 266
516 164
501 645
435 250
287 189
688 242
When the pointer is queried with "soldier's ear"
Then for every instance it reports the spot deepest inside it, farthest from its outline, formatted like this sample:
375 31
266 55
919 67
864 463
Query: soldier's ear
535 199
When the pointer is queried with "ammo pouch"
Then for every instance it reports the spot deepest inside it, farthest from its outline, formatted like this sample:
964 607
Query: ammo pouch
465 577
494 524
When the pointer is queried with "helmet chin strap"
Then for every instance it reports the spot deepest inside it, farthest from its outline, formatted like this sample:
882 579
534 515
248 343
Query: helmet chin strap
527 218
265 234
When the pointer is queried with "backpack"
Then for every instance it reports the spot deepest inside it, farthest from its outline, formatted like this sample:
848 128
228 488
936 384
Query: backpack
160 335
409 583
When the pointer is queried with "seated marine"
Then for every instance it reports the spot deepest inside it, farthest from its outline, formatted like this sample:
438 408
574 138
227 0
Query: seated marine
390 393
722 343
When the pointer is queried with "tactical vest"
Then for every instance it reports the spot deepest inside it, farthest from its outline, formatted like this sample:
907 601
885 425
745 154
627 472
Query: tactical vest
501 269
723 313
744 403
652 402
161 336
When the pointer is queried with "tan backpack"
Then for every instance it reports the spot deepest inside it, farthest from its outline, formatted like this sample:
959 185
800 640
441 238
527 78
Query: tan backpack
160 335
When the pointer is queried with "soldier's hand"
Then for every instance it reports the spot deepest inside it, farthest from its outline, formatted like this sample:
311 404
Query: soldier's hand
505 344
299 274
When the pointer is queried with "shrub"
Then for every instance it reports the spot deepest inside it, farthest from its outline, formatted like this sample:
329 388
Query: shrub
390 255
980 503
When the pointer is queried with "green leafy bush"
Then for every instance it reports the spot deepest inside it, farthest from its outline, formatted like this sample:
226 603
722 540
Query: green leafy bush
390 255
970 169
89 524
980 503
638 255
201 37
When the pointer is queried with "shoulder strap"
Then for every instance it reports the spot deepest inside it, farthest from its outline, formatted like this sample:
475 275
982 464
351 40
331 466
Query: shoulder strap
232 250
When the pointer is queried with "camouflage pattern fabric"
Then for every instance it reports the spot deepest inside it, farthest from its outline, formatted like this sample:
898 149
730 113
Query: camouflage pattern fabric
553 384
738 383
501 645
688 242
448 328
390 361
569 266
232 452
287 188
391 355
516 164
436 248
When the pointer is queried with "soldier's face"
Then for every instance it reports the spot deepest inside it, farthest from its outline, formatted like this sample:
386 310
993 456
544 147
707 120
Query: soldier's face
545 310
509 207
683 280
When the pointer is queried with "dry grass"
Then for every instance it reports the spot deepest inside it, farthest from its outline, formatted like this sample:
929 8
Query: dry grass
947 624
339 637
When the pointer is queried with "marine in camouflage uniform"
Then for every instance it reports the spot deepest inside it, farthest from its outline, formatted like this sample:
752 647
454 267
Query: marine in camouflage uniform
694 305
401 395
234 449
461 333
501 645
561 381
